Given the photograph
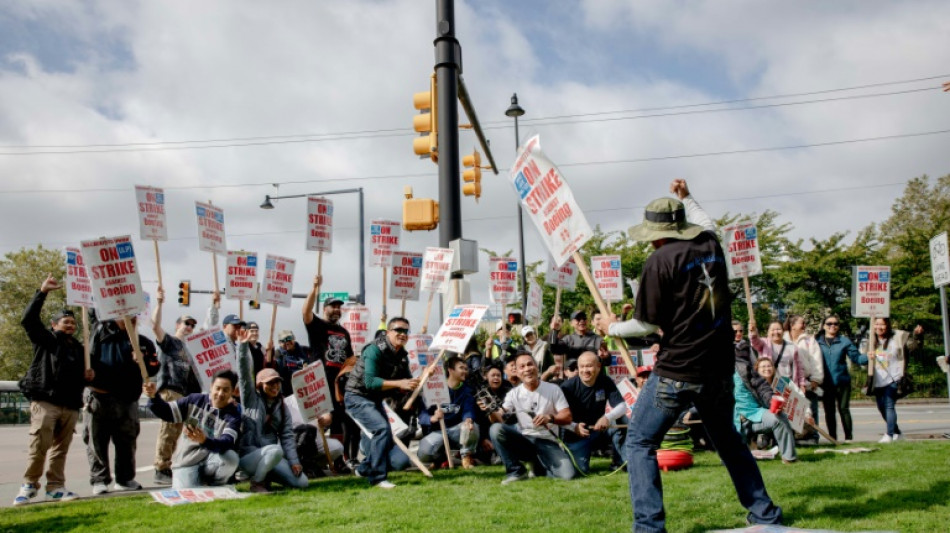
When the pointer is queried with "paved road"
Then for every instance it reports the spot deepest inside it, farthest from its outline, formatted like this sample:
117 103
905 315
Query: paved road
916 421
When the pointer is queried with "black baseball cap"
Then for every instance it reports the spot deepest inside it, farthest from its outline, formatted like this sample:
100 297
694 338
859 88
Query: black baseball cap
578 315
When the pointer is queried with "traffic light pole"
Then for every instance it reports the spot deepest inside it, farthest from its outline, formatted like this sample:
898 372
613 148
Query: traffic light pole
447 67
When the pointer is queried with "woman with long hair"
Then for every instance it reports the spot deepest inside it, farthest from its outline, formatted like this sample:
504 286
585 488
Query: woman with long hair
889 360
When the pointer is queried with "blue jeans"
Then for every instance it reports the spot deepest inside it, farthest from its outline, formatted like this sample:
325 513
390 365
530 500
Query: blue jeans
372 417
432 447
513 447
217 469
269 461
660 403
396 461
886 403
779 426
581 447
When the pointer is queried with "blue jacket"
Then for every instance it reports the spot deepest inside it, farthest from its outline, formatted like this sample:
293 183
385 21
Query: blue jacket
461 407
747 406
836 369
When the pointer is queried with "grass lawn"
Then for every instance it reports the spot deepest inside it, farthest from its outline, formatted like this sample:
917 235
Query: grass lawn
902 487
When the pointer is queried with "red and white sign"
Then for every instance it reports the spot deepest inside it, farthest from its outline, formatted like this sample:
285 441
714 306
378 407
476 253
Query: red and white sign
535 297
417 344
151 207
319 224
503 279
355 320
607 276
647 358
77 283
629 393
437 269
241 279
549 201
405 275
871 292
211 228
741 244
617 370
210 352
312 391
384 240
794 405
563 277
278 287
458 328
436 390
116 285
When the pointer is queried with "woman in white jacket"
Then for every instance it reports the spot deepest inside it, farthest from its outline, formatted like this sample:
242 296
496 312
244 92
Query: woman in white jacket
888 363
810 354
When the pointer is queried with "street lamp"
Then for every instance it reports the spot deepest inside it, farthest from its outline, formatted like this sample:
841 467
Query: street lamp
269 205
514 111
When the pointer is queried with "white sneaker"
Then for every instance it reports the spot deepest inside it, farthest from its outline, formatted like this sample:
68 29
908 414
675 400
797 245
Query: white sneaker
61 495
131 485
99 488
885 439
385 484
897 437
27 493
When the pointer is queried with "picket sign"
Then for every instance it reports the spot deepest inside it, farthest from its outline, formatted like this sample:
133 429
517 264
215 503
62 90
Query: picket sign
629 392
313 398
152 223
604 311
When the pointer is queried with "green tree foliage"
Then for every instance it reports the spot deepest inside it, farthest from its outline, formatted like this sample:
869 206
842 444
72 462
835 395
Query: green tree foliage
21 274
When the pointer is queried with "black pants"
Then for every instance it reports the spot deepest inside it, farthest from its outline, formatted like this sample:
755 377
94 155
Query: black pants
837 398
107 419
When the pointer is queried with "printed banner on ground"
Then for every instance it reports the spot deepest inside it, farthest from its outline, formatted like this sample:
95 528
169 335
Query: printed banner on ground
437 269
871 292
312 391
241 279
404 277
319 224
278 285
458 328
503 279
384 240
77 283
355 320
116 285
210 352
151 207
549 201
535 296
607 276
211 228
563 277
197 495
741 244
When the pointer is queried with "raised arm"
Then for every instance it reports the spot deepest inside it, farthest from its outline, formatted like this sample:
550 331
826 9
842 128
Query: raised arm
311 299
157 316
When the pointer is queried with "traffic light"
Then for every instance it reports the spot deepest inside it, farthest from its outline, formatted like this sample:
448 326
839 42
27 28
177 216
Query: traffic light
419 213
184 293
472 176
426 123
255 303
514 318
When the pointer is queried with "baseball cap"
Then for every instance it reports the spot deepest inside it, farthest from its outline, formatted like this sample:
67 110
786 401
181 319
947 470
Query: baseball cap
232 320
267 375
578 315
526 330
644 370
59 315
333 301
185 318
285 334
252 325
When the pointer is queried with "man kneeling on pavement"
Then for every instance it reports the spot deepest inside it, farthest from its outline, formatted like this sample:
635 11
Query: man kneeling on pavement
459 416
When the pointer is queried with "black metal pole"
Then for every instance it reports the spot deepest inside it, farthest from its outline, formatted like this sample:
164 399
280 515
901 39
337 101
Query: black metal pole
362 298
446 71
524 267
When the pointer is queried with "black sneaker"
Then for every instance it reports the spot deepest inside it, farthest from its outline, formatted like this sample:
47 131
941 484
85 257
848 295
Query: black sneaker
163 477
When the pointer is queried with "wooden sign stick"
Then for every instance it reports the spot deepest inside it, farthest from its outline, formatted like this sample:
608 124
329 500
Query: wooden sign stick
557 302
748 297
385 286
402 310
316 304
445 441
326 446
273 322
158 265
134 339
241 309
582 266
425 323
85 337
214 266
412 457
422 380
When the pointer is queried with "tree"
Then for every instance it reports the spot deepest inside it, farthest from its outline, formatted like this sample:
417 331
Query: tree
21 274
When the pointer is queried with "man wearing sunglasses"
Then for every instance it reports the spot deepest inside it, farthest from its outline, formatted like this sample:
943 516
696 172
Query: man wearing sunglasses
837 381
381 372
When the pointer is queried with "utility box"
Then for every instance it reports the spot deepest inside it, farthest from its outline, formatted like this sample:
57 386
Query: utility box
420 214
465 260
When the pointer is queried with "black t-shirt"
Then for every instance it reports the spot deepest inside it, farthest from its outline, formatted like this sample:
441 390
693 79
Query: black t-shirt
685 291
588 404
329 342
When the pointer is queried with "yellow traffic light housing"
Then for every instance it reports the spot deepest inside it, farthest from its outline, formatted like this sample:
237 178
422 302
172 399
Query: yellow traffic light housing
184 293
426 122
473 176
419 213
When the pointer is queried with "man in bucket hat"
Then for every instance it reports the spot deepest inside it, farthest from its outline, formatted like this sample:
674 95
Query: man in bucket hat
684 293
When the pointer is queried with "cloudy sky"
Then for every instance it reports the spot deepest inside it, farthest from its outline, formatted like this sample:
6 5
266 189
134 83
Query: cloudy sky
221 100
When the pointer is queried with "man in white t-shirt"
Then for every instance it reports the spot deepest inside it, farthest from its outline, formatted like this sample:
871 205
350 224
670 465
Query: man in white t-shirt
524 426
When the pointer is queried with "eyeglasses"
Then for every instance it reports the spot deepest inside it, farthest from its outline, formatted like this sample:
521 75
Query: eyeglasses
288 339
831 324
401 331
191 324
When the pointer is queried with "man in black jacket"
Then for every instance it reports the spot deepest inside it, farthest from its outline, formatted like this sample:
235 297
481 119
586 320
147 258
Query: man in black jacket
53 384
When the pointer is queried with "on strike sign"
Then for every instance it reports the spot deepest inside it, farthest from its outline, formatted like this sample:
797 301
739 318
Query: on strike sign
151 204
319 224
436 269
384 238
78 286
404 282
355 320
312 391
242 275
418 344
458 328
116 285
562 277
503 279
211 228
871 292
741 242
549 201
278 280
607 276
533 312
210 353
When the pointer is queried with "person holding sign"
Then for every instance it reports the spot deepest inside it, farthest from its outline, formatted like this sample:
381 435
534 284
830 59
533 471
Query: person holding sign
381 372
329 342
837 383
268 445
573 345
459 416
892 348
783 353
53 383
684 290
753 416
206 452
112 409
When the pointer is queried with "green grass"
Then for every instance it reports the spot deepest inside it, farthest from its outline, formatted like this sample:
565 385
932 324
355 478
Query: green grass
903 487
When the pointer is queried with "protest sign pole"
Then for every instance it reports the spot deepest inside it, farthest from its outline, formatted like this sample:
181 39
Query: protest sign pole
445 441
748 296
385 268
585 272
158 264
557 302
214 266
326 446
425 323
273 321
422 380
136 350
241 309
412 457
402 310
85 337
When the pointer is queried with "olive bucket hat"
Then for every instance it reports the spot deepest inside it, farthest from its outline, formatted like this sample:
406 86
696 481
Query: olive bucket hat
664 218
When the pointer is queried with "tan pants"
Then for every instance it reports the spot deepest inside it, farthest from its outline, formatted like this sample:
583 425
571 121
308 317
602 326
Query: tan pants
51 430
167 436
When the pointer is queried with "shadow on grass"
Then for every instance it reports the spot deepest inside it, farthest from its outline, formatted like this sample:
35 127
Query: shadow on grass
888 502
830 492
62 522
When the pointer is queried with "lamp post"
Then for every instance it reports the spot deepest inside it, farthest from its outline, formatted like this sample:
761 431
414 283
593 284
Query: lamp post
514 111
269 205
